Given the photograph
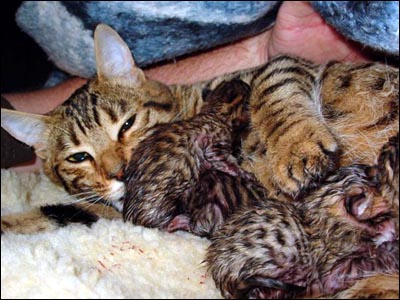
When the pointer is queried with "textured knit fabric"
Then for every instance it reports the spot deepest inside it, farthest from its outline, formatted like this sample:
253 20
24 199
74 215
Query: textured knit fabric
158 31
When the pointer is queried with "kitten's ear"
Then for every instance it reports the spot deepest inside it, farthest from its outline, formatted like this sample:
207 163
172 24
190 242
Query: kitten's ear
25 127
114 59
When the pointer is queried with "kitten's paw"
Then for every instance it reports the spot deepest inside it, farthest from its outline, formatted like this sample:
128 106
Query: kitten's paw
299 162
179 222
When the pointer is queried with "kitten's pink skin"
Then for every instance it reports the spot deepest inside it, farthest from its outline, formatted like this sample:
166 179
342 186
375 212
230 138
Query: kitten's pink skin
179 222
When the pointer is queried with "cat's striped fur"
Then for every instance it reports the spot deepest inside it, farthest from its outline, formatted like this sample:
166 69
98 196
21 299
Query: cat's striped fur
342 232
183 175
304 119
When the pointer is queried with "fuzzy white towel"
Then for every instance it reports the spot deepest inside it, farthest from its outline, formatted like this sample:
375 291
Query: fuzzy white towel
111 259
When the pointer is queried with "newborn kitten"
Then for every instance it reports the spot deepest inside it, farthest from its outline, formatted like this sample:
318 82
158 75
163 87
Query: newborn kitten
183 175
352 230
261 252
340 233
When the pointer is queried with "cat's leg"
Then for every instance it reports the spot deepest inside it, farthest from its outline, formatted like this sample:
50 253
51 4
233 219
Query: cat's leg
285 111
47 218
382 286
360 103
27 222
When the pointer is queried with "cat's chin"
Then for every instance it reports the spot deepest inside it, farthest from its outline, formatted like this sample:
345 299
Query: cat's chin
116 194
118 205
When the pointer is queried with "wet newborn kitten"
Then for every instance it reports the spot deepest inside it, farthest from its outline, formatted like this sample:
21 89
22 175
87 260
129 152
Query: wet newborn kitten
340 233
183 175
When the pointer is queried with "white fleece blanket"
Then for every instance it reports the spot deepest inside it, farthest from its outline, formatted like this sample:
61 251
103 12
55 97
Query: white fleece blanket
112 259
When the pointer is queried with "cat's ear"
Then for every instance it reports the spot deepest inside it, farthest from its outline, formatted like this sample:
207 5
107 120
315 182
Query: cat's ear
25 127
114 60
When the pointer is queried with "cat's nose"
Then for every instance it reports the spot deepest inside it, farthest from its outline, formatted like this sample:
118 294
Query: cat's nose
113 166
120 175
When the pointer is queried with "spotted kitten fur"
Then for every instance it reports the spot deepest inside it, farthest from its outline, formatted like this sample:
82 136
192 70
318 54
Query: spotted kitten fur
342 232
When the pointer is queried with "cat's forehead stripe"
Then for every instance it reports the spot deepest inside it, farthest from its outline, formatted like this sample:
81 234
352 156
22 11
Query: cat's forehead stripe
73 135
96 114
87 119
93 99
80 125
111 112
158 105
123 105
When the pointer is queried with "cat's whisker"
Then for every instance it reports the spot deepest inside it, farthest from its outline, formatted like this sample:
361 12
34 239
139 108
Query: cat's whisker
90 201
87 199
108 203
75 198
84 193
63 129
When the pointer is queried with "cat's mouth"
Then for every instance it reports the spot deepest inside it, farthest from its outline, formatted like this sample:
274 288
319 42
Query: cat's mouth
116 194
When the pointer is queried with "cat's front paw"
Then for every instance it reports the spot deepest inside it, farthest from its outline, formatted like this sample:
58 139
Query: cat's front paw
299 161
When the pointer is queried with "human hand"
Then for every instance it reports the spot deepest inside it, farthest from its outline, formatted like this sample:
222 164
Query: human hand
298 30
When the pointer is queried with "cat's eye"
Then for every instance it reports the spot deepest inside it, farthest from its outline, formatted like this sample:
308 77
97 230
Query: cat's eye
79 157
128 124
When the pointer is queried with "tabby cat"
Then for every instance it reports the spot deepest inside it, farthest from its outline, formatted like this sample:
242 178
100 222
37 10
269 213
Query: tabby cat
305 120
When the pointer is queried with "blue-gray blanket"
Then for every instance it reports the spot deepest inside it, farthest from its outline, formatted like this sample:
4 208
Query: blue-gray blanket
158 31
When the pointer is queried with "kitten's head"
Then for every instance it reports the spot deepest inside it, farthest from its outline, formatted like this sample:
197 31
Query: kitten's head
351 209
86 142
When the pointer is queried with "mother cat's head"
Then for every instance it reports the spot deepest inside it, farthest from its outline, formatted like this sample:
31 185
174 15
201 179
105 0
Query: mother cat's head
86 142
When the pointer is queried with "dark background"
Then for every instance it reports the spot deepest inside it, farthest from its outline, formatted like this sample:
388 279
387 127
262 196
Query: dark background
24 65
